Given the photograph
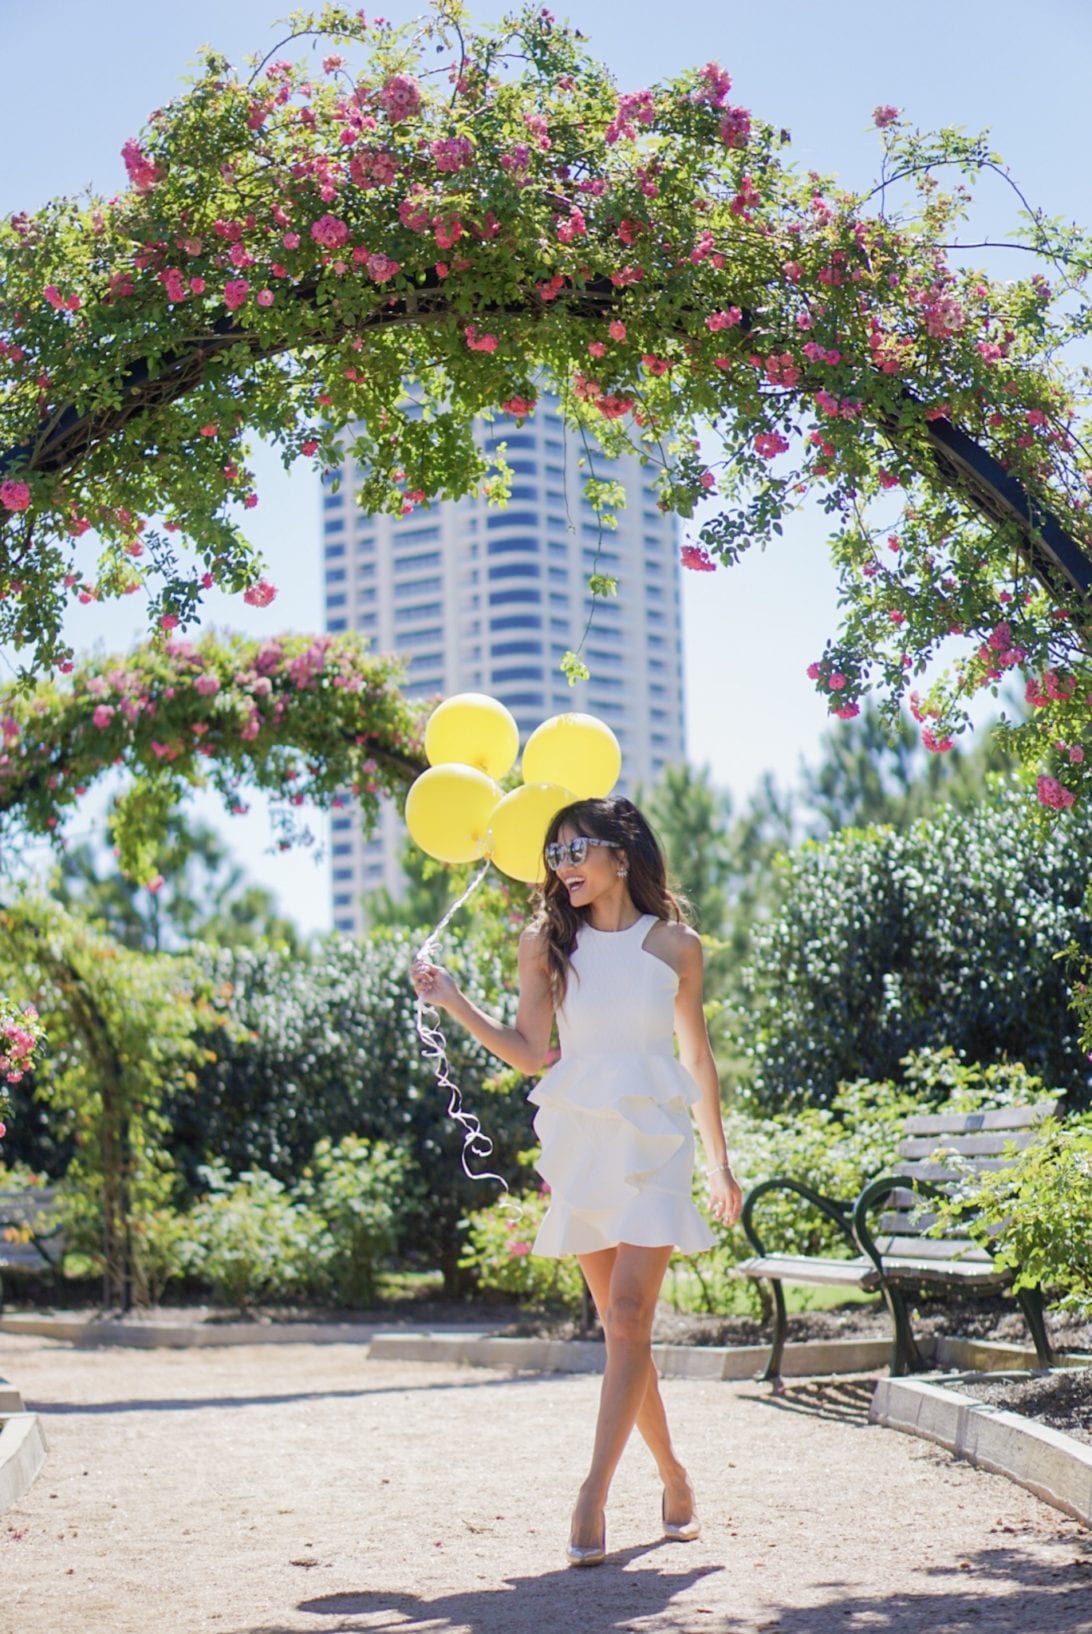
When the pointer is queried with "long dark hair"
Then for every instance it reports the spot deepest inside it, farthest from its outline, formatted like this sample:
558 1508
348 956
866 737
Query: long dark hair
618 821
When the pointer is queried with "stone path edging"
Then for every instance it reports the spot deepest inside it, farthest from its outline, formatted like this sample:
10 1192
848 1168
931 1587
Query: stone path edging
22 1447
1055 1467
586 1356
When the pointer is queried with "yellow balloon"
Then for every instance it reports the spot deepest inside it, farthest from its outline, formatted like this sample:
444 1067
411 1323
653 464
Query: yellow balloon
519 829
448 809
578 751
473 730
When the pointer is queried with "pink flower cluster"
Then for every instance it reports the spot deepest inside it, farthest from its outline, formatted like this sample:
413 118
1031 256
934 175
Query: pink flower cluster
1053 688
400 98
18 1039
1054 794
771 443
143 175
697 559
997 652
260 594
634 108
14 496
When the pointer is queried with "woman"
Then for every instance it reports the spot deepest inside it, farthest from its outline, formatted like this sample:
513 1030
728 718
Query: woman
609 955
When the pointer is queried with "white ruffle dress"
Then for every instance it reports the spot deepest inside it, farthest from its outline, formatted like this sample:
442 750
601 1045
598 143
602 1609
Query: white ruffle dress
614 1112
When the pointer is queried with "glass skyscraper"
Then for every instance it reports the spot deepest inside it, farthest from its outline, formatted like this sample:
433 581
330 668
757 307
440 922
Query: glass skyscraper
477 599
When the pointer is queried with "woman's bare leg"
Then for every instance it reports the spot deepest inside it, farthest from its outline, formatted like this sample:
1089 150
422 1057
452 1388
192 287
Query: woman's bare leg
629 1304
651 1417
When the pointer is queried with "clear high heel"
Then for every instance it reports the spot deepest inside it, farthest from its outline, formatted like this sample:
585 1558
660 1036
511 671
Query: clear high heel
591 1555
594 1556
680 1531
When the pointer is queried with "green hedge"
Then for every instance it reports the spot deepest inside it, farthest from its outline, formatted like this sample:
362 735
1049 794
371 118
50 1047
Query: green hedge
323 1045
945 934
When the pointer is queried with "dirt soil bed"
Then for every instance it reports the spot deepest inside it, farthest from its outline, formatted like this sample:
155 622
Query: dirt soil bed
1062 1400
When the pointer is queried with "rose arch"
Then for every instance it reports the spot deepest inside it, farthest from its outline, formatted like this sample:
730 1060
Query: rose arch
355 250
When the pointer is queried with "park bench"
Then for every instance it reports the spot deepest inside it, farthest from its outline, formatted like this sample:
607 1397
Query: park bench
892 1256
31 1239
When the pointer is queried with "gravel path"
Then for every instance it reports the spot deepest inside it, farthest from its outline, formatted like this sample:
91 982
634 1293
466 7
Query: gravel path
271 1490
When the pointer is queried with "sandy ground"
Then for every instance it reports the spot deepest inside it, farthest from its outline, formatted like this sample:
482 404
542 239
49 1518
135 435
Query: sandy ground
270 1490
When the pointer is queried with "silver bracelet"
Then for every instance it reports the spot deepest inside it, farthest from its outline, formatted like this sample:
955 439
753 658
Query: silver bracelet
721 1168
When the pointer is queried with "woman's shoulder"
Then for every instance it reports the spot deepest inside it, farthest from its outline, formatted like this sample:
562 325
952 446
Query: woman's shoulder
676 942
534 940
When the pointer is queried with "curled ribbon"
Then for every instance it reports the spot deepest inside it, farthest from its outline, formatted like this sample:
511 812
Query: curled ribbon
476 1143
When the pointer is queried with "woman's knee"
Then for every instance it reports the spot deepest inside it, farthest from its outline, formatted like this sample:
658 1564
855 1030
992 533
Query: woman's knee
629 1319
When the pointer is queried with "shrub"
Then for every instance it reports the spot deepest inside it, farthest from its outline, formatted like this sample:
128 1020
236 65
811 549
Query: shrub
361 1190
499 1254
945 934
1036 1216
250 1240
323 1045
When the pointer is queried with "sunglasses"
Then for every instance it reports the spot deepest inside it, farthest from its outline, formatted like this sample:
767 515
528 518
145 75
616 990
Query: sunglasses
559 855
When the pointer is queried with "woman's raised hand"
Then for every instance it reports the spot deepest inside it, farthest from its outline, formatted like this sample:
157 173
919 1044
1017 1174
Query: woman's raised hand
433 984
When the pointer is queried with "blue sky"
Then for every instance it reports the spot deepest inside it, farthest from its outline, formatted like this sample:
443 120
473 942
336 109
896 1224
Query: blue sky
84 74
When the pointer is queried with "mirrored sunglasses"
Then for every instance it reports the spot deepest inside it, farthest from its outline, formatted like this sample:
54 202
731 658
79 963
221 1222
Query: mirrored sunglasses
572 854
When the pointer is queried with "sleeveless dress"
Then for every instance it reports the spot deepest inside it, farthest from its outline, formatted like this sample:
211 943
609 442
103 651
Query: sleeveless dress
614 1112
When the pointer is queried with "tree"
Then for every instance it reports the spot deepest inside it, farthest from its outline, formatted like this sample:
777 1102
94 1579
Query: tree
874 771
205 896
692 820
120 1028
357 263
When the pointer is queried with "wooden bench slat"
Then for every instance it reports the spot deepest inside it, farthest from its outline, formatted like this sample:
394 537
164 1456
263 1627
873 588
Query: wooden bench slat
968 1273
985 1145
1003 1117
941 1172
933 1248
856 1273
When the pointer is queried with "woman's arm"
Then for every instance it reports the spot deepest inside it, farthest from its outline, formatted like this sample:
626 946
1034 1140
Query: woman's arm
696 1055
523 1046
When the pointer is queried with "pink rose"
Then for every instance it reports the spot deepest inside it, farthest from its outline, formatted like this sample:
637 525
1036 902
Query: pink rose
14 495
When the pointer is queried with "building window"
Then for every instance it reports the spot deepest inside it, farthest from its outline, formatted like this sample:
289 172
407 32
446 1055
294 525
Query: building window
336 625
508 598
333 502
514 570
343 899
499 547
423 609
497 520
339 599
341 825
418 587
343 874
333 524
333 551
424 558
514 621
416 536
517 672
335 575
514 649
419 638
342 848
523 700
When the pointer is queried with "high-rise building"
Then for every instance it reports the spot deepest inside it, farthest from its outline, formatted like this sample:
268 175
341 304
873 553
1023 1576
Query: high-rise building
478 599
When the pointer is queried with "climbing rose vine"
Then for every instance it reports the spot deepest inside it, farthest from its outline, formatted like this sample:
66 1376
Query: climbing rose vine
311 720
355 250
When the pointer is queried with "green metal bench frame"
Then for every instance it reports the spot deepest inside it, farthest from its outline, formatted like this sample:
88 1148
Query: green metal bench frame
870 1269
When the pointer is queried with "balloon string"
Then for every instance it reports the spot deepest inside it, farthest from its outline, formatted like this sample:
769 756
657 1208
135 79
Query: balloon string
476 1143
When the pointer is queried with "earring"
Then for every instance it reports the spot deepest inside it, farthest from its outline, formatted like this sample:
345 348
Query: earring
622 872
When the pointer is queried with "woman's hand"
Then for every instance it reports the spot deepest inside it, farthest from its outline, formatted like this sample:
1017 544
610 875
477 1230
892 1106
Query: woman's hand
725 1197
433 985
